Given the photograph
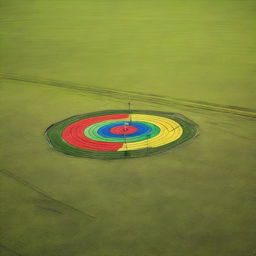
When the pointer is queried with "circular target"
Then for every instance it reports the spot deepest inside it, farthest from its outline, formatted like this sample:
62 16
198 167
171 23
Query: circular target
117 134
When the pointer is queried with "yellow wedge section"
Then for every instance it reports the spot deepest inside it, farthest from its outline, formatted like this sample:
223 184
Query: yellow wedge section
169 132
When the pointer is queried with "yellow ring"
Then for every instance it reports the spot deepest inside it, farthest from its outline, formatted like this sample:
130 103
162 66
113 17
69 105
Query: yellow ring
170 131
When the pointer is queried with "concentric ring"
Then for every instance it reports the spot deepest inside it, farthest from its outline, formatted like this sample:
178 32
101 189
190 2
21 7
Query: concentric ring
129 129
144 130
118 134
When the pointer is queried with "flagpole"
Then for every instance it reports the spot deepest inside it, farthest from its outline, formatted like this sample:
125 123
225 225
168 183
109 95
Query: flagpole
130 115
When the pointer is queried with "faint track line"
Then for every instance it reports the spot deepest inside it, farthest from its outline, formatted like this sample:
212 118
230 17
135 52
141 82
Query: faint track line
41 192
137 96
10 250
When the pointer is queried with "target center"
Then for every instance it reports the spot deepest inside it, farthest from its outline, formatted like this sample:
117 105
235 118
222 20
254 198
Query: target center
123 130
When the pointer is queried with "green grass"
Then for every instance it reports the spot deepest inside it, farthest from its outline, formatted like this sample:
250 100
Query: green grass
196 200
201 50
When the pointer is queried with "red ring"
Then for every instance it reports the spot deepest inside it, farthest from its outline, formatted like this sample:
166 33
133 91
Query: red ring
74 134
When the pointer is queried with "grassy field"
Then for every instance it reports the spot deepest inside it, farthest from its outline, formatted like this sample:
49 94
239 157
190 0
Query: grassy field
63 58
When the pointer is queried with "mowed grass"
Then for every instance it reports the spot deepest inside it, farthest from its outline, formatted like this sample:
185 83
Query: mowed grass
196 200
201 50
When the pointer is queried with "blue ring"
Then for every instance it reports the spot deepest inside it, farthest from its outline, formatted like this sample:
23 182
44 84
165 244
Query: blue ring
142 129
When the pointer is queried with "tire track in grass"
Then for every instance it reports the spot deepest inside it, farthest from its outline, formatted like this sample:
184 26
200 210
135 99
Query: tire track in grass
41 192
137 96
7 249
